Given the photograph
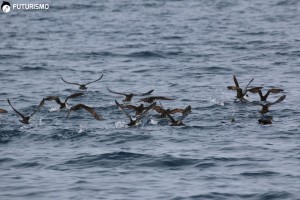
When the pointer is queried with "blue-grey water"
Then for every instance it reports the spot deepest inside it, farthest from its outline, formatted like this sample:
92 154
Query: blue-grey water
187 50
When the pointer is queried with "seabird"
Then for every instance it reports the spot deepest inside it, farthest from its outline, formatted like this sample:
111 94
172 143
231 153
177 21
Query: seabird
264 97
2 110
152 99
240 93
25 119
179 122
138 109
57 100
89 109
164 112
266 106
264 120
137 120
128 96
82 86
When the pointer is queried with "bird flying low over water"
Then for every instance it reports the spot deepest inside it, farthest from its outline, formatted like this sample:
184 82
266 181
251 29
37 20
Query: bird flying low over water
164 112
87 108
128 96
266 106
82 86
25 119
178 122
240 93
138 119
2 110
57 100
264 97
138 109
154 98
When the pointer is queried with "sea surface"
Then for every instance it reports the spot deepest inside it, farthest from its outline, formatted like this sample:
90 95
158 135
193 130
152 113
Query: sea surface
187 50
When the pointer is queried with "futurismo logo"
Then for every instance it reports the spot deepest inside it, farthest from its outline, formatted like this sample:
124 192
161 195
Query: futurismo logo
5 7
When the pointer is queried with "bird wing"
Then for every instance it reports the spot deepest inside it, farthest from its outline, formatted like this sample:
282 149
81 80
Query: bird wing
245 89
144 99
38 108
163 98
185 113
153 98
171 118
53 98
73 108
168 115
236 81
144 94
146 111
121 108
176 110
266 95
95 80
232 88
276 90
279 100
2 110
69 82
20 114
159 109
92 111
116 92
74 96
69 113
255 90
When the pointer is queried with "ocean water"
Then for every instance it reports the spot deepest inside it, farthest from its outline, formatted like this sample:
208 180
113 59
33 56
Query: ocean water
187 50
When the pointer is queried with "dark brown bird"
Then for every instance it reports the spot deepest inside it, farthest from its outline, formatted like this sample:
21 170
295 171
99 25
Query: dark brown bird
2 110
264 97
82 86
89 109
154 98
164 112
25 119
128 96
240 93
179 122
264 120
138 109
266 106
57 100
138 119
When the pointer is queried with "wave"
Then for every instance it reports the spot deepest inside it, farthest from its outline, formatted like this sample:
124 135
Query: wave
260 196
7 135
146 54
33 69
10 56
169 162
27 165
259 173
107 160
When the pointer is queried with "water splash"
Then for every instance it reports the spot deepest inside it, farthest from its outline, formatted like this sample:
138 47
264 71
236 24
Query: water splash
119 124
81 129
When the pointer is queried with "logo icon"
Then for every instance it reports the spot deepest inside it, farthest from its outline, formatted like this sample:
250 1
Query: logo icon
5 7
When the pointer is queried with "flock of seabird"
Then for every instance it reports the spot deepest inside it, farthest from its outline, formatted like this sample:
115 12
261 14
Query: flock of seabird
141 110
241 93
